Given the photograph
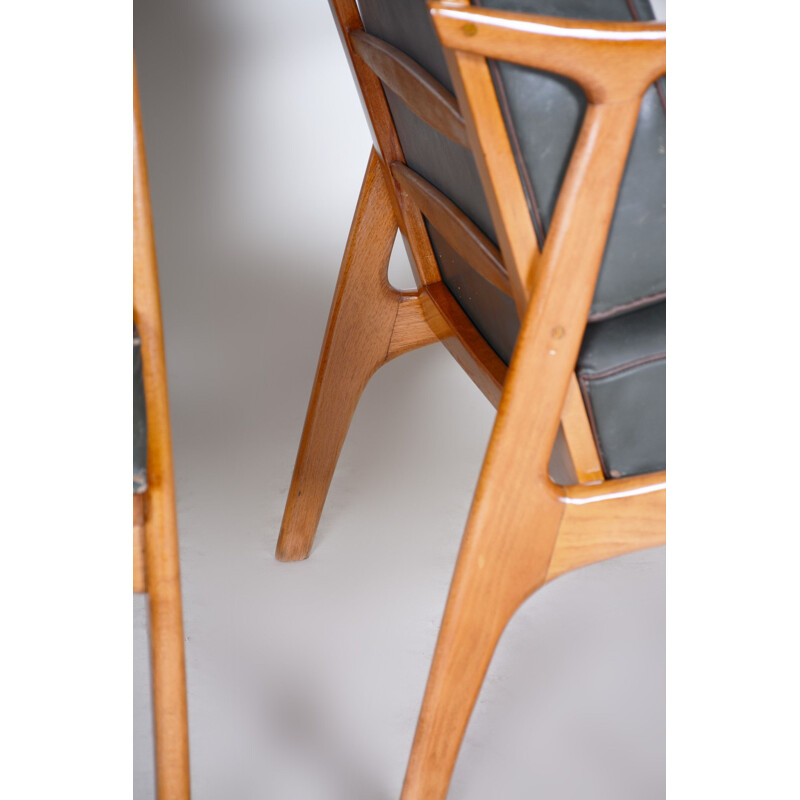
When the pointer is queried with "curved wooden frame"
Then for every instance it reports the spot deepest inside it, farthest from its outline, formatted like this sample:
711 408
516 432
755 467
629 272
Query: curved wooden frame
523 529
156 556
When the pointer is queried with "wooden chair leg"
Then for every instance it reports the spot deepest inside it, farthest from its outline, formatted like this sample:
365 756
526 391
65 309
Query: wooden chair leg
357 342
508 543
162 572
497 569
166 643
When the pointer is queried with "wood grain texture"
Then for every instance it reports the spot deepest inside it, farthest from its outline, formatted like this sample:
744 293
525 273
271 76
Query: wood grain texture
468 347
622 516
612 61
139 556
416 87
498 171
456 227
518 517
578 433
386 143
370 323
415 328
517 513
161 534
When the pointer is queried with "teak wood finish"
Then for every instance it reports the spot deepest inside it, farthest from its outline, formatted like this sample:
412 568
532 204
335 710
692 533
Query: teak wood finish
139 551
156 563
523 528
416 87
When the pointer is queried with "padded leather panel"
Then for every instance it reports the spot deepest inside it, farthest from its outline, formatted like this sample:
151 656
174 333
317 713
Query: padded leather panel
442 162
545 112
622 373
406 24
479 299
139 420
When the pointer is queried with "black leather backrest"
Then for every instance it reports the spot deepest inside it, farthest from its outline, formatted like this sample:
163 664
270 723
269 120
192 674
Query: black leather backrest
543 113
406 24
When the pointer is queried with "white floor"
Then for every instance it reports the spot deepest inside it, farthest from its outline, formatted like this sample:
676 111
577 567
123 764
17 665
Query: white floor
305 679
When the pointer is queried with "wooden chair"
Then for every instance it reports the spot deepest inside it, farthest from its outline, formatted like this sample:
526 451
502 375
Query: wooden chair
504 155
155 535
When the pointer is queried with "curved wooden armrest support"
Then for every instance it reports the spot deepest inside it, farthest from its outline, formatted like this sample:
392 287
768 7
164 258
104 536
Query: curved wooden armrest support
612 61
609 519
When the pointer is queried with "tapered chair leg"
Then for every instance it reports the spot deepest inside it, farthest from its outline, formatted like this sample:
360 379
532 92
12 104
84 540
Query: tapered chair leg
161 576
498 567
167 654
356 343
508 543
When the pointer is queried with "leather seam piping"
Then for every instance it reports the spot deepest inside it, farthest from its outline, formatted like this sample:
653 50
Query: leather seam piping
641 302
583 383
585 376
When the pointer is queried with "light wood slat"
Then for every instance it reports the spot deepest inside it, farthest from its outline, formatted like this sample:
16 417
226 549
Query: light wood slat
467 346
578 433
418 89
499 174
415 326
461 233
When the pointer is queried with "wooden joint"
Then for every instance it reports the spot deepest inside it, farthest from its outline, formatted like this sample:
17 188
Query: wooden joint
415 86
609 519
416 325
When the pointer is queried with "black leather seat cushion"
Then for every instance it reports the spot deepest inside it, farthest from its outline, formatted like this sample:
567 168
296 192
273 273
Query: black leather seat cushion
139 420
622 374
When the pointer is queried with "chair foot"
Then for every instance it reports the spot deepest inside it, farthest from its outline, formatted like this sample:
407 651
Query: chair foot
497 569
369 323
508 543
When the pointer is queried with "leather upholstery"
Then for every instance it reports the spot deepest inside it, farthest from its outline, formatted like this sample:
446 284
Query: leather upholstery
407 25
139 420
622 374
544 134
448 166
469 289
543 112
